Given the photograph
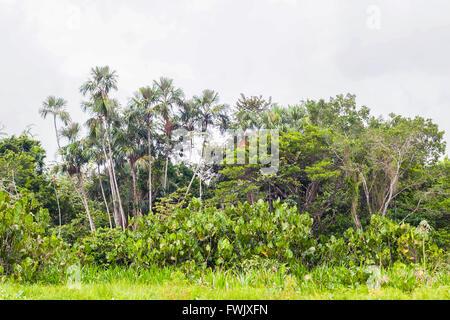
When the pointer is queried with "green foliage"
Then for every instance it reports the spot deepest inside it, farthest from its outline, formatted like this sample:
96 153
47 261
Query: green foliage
207 236
262 282
25 251
339 167
22 171
103 247
383 243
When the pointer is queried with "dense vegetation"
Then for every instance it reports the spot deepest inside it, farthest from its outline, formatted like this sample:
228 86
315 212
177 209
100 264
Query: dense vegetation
356 200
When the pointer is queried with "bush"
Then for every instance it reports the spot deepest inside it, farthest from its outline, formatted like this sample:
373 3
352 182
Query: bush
25 251
207 236
383 242
104 247
195 237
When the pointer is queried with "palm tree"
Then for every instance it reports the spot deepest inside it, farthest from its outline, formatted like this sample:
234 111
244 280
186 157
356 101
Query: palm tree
97 134
53 183
102 81
131 145
249 109
55 107
75 157
95 153
146 98
168 97
210 112
189 114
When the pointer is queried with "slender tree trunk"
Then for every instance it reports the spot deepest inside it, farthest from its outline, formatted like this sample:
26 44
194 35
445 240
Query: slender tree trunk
115 183
203 155
137 210
54 186
165 170
366 191
59 208
117 217
390 194
192 180
85 201
104 197
354 207
196 172
150 191
123 217
56 132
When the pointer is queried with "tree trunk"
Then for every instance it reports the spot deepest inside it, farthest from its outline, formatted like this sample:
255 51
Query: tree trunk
196 172
366 191
150 191
354 207
85 201
390 194
136 210
56 132
59 208
122 213
104 197
192 180
117 217
165 170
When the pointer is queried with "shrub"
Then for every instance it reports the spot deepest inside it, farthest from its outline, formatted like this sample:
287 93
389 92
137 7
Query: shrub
104 247
383 242
207 236
25 251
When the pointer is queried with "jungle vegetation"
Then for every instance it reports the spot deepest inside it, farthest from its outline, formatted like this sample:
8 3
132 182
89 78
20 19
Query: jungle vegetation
354 191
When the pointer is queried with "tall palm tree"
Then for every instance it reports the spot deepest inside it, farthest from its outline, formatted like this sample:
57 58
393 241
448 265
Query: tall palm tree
210 113
97 134
75 158
102 82
146 98
55 107
131 141
54 185
189 114
249 110
95 153
168 98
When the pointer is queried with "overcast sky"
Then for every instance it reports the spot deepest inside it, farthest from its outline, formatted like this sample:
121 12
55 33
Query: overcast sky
394 55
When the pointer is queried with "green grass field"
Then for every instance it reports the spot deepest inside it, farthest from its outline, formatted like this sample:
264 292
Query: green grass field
168 284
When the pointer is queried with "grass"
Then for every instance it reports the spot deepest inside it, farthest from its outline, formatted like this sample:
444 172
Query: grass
341 283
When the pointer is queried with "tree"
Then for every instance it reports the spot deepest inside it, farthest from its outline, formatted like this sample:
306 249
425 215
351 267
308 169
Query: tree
146 98
249 110
96 155
396 148
101 83
168 98
55 107
208 113
75 158
131 141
